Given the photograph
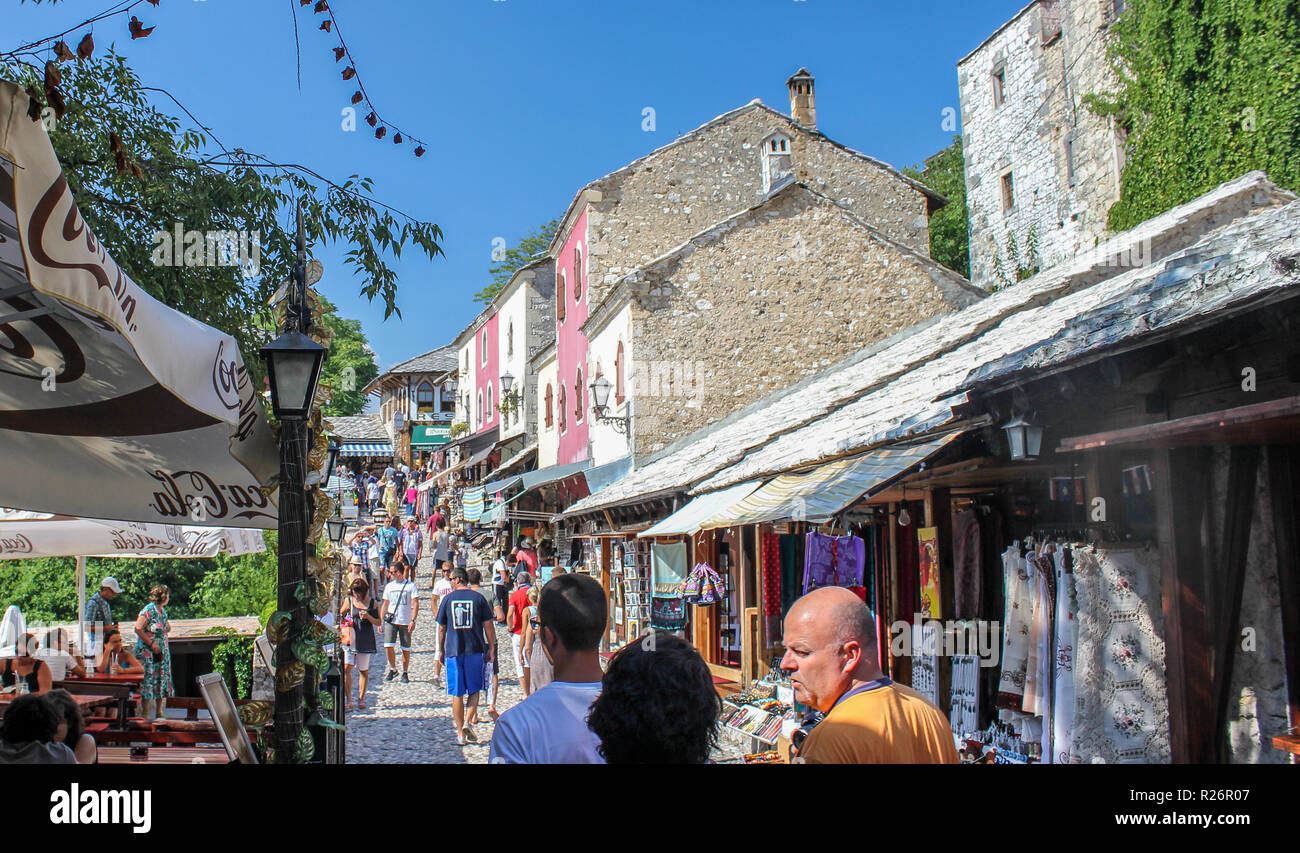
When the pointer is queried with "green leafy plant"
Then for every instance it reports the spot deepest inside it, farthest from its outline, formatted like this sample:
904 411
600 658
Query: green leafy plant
526 250
459 429
1015 266
1207 90
945 173
233 659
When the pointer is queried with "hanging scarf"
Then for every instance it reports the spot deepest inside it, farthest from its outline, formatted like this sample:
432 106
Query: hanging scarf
772 582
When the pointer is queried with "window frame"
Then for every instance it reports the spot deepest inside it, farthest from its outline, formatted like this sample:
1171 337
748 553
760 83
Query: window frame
483 348
1007 187
562 296
999 81
550 406
433 402
560 399
619 359
578 289
579 408
493 406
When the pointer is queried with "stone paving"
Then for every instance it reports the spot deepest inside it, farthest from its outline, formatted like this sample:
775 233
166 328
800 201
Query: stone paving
411 723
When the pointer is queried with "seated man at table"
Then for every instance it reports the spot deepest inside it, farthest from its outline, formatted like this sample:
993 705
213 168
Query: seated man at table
27 733
56 654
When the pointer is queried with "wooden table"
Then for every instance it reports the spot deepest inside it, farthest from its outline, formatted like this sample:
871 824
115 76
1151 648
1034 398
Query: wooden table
164 755
127 678
86 701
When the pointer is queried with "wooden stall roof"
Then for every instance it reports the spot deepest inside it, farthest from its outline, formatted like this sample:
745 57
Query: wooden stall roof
1258 423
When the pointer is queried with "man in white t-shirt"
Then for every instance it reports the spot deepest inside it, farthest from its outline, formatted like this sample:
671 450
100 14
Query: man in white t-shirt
441 586
54 654
550 726
400 607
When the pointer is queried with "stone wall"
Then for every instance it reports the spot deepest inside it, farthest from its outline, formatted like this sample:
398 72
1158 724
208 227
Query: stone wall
784 292
671 195
1064 160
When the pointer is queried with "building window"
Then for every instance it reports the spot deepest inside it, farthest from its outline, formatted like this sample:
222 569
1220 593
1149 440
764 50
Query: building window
510 339
561 294
1008 193
478 421
579 398
550 406
424 399
492 407
467 360
1051 21
564 422
482 349
577 273
1068 146
618 374
999 87
776 160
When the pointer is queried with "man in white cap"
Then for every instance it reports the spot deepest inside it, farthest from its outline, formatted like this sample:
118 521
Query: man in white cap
99 615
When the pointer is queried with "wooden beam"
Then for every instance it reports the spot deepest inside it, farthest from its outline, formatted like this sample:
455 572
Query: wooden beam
1242 423
1283 475
1181 491
1243 464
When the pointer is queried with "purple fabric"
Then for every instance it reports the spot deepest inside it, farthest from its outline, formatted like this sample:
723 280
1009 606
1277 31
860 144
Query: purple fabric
850 558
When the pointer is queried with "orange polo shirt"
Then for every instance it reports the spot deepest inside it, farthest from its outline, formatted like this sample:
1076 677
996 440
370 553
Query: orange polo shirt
889 725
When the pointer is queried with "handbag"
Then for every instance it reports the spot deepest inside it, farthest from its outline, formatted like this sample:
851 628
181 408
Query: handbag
346 633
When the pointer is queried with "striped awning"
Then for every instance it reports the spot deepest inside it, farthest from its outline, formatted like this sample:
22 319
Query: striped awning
818 495
366 448
689 519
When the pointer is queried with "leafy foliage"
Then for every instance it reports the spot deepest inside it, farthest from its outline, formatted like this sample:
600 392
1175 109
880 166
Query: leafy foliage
350 365
1208 90
234 656
521 253
1011 266
137 171
238 586
945 173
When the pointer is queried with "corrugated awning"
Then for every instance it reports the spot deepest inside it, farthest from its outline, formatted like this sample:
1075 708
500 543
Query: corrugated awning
542 476
602 475
465 463
689 519
818 495
501 485
366 448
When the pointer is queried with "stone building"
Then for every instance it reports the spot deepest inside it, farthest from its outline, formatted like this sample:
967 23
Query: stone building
650 207
1041 169
748 306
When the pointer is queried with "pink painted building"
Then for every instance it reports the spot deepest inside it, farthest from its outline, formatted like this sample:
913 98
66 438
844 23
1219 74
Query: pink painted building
571 394
486 382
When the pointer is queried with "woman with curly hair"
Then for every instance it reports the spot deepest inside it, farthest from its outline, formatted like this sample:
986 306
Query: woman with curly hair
657 704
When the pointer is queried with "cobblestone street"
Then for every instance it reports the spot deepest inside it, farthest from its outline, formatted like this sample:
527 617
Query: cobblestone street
411 723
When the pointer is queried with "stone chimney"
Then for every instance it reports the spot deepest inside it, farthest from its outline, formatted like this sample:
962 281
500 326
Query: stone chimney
803 103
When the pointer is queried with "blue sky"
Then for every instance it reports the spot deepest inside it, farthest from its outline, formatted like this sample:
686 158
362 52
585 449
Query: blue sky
521 102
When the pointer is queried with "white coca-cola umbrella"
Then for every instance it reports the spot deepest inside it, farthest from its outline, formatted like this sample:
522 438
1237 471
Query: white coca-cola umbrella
29 535
112 404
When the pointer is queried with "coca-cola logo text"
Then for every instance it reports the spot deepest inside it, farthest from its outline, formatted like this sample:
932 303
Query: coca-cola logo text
183 491
15 544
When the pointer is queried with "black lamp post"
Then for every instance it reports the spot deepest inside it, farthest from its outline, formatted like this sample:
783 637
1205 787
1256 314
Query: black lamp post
337 527
600 388
293 363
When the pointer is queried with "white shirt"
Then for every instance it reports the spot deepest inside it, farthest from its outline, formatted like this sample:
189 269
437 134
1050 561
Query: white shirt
58 661
549 727
400 596
442 587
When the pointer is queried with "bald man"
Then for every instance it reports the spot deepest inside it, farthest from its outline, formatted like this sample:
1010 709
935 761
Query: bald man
830 641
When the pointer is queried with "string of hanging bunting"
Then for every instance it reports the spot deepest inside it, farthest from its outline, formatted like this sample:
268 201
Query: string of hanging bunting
349 73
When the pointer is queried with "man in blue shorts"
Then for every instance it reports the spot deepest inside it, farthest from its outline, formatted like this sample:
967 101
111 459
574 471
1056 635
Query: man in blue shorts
464 625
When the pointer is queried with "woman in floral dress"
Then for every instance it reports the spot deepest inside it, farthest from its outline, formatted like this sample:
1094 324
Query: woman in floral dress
151 629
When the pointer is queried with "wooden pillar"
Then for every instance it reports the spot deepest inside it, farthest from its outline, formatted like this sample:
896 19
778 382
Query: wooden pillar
1283 474
1243 465
1181 490
900 668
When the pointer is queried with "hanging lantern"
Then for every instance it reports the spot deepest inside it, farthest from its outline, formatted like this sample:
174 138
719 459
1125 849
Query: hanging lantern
1024 437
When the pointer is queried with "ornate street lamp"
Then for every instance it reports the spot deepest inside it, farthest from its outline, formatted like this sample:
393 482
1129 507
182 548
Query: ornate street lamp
600 388
337 527
1024 437
293 363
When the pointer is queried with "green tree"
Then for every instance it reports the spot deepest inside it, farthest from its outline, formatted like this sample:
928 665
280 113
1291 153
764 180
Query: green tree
523 252
137 172
1208 90
238 586
945 173
350 366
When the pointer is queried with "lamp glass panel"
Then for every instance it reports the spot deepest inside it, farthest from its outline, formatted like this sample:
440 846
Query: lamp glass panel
295 374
